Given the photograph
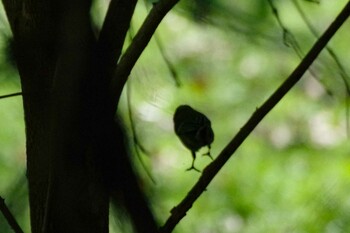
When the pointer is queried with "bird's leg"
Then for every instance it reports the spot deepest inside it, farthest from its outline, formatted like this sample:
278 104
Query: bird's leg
192 166
208 153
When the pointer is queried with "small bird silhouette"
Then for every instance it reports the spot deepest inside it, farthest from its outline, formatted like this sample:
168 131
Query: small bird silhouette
194 130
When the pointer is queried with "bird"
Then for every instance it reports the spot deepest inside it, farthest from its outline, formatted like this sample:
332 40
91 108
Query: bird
194 130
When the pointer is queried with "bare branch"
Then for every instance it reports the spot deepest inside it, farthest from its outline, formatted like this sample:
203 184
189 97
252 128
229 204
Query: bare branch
342 72
10 95
290 41
113 32
170 66
9 217
138 44
178 212
137 143
168 63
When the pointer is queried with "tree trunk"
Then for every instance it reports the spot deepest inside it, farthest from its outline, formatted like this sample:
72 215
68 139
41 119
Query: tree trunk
54 47
76 157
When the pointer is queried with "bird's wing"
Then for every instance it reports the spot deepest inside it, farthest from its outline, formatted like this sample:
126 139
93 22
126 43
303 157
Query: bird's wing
187 127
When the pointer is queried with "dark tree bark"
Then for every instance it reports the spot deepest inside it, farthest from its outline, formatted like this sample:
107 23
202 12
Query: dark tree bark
76 157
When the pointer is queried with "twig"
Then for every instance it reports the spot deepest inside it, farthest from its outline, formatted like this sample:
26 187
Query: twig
168 63
343 74
10 95
288 38
178 212
139 43
138 145
9 217
290 41
313 1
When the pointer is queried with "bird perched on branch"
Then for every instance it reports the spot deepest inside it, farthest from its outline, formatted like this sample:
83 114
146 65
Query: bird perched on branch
194 130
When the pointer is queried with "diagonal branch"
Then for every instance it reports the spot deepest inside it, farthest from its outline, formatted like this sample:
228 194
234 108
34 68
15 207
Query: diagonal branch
10 95
113 32
342 72
138 44
9 217
178 212
290 41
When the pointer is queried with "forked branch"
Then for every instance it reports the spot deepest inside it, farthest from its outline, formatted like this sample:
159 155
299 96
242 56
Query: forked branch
139 43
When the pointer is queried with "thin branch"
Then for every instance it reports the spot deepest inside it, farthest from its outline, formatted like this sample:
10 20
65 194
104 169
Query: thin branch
9 216
331 52
138 145
113 32
178 212
170 66
343 74
137 46
10 95
288 38
290 41
313 1
168 63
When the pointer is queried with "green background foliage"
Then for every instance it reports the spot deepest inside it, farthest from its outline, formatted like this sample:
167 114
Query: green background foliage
291 175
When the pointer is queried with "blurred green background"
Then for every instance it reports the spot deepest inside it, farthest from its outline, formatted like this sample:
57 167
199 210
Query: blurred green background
293 172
